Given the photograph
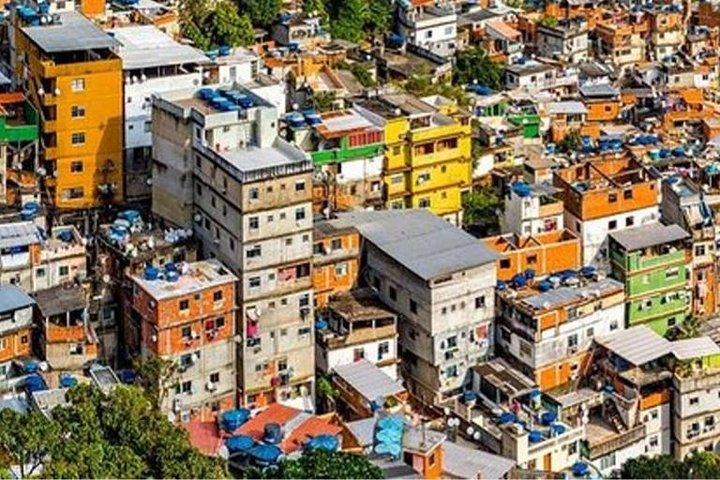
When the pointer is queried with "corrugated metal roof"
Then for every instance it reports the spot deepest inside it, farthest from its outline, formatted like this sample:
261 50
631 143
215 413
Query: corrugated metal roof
689 348
147 46
75 32
569 107
18 234
569 295
13 298
462 462
369 381
598 90
637 345
649 236
424 243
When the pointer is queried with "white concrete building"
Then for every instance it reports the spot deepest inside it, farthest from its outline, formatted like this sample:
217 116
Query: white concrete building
357 326
153 63
567 41
531 209
441 282
432 27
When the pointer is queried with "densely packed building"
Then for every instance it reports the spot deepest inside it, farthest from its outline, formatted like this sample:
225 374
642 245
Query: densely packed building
477 239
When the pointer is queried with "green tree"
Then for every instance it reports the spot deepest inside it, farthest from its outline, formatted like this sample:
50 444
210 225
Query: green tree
320 464
322 101
660 467
313 8
156 376
480 209
200 39
570 143
548 21
474 64
700 465
26 440
262 12
350 20
379 17
230 28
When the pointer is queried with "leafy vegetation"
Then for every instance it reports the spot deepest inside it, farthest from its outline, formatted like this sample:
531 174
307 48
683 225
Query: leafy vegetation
262 12
480 209
474 64
421 85
696 466
313 8
548 21
320 464
210 28
570 143
156 376
353 20
322 101
121 435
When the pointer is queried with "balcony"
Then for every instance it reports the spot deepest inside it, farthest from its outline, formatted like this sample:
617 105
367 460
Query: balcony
49 69
57 334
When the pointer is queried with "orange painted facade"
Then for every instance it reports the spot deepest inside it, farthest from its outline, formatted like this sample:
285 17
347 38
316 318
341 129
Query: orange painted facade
559 373
607 192
336 264
654 399
544 253
15 344
602 111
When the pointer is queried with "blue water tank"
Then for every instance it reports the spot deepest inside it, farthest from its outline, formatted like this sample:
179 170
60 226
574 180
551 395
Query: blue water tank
535 437
239 443
67 380
233 419
224 51
151 273
172 276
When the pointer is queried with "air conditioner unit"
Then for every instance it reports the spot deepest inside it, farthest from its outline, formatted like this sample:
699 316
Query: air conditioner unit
211 386
195 335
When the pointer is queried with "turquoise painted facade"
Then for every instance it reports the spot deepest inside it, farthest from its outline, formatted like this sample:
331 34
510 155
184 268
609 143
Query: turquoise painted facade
656 284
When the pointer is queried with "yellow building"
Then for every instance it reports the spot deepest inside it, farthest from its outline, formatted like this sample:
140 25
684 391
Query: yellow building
428 153
73 75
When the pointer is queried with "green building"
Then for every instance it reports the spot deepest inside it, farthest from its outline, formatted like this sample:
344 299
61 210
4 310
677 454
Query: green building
652 262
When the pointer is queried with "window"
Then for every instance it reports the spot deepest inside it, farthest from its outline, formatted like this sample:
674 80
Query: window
341 269
186 387
480 302
532 259
300 186
358 354
299 214
396 179
392 293
77 85
336 244
288 241
413 306
254 282
383 350
78 138
629 221
612 197
186 333
253 193
607 461
505 263
217 296
215 377
694 401
184 305
24 339
672 273
452 342
148 126
590 332
253 252
700 250
63 270
254 223
424 203
40 273
612 224
77 111
572 340
76 166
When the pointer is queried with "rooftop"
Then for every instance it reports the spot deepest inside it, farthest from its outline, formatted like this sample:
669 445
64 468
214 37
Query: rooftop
637 345
74 32
598 90
146 46
568 107
414 241
463 462
252 160
369 380
18 234
565 296
357 305
60 299
505 378
199 276
649 235
13 298
335 124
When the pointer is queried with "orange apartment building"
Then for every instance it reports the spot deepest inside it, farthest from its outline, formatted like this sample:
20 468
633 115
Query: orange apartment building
686 106
74 77
544 253
185 313
66 339
604 195
16 319
547 329
602 102
336 260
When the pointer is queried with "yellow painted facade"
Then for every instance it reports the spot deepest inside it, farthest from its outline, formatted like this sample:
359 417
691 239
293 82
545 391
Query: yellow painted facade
429 166
81 122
